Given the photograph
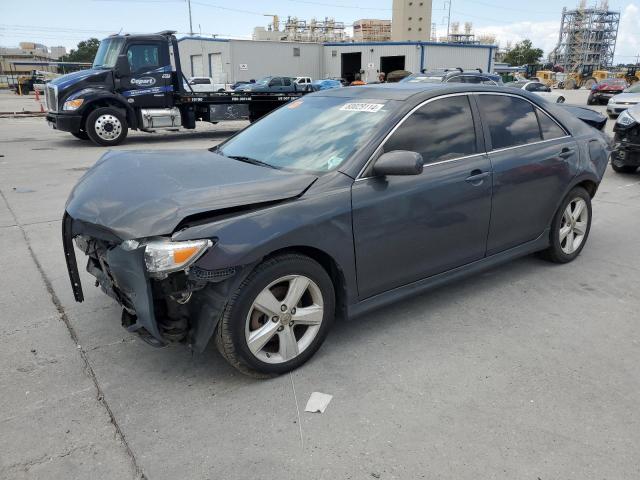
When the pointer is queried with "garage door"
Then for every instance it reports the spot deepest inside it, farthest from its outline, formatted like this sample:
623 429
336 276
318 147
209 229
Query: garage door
215 67
196 66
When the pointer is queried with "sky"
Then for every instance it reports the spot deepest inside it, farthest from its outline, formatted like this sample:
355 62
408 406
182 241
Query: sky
66 22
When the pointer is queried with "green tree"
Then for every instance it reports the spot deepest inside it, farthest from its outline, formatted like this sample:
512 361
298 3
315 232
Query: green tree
85 52
523 53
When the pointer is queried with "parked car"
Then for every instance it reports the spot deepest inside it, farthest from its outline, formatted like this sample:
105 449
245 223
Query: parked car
457 75
618 103
588 116
303 80
206 84
538 88
602 91
270 84
326 84
625 157
335 204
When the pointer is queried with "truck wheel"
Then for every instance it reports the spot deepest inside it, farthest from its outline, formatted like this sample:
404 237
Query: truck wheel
570 84
81 134
278 317
106 126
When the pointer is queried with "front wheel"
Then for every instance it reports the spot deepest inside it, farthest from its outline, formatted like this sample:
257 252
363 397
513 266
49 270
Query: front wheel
570 227
106 126
278 317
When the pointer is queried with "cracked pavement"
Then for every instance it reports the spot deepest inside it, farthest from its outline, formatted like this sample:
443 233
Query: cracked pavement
529 370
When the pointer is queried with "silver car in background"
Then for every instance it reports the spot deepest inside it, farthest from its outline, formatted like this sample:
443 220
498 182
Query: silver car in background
628 98
538 88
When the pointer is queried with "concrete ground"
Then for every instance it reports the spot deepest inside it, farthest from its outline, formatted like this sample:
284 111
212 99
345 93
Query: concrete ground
528 371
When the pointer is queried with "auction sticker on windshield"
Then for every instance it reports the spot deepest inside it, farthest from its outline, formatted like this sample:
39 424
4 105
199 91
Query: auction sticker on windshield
362 107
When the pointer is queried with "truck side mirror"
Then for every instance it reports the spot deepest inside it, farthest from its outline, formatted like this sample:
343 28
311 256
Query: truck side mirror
122 66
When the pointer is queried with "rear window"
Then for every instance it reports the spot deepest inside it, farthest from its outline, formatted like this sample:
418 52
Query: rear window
512 121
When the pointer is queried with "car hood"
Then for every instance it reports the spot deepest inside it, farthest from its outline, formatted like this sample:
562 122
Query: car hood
72 78
147 193
626 97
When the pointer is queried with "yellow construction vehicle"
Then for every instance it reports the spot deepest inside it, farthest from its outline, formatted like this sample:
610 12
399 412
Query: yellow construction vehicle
587 77
546 76
631 75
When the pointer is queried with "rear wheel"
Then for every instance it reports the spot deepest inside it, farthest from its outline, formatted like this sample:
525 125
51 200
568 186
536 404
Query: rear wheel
106 126
590 82
278 317
570 84
570 227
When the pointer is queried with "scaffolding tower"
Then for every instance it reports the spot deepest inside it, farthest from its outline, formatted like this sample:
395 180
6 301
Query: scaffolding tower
587 38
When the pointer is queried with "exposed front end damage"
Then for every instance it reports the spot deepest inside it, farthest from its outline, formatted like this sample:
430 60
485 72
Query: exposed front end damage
626 151
178 307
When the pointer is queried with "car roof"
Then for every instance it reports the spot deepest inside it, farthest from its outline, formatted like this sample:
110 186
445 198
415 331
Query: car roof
405 91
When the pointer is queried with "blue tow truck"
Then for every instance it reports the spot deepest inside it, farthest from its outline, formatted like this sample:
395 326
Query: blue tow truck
136 82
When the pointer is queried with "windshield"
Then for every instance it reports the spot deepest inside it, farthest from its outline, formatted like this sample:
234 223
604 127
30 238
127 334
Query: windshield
264 80
314 134
635 88
107 53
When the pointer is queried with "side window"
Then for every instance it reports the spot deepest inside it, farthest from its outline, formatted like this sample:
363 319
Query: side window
548 127
276 82
511 120
456 79
287 81
440 130
143 58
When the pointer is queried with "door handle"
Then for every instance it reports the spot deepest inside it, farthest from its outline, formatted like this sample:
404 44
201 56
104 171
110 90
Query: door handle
477 176
566 152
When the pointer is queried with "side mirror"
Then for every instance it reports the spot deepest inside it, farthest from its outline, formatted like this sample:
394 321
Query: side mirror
122 66
398 162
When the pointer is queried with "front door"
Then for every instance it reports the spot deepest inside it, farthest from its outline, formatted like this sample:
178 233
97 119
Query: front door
148 82
411 227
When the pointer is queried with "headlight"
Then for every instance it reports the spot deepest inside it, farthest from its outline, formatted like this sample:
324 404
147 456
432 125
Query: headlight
73 104
626 119
165 256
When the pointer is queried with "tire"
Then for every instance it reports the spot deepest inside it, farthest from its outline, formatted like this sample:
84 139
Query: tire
590 82
560 100
590 100
570 84
560 250
107 126
619 168
81 134
272 280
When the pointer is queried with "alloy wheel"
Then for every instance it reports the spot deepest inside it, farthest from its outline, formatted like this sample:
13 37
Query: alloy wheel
573 226
284 319
108 127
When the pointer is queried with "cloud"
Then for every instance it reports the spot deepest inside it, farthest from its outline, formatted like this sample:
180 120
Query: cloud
545 34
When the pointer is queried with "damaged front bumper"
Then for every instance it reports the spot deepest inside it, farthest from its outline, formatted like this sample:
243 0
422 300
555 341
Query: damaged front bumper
626 148
160 309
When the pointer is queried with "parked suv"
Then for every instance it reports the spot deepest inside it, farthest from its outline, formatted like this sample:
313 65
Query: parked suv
457 75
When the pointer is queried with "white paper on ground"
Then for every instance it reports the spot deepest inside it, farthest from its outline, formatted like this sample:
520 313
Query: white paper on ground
318 402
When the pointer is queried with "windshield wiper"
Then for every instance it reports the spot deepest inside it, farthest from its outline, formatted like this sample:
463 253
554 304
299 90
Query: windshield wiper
252 161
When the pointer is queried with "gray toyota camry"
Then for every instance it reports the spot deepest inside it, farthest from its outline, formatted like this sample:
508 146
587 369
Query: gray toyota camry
332 205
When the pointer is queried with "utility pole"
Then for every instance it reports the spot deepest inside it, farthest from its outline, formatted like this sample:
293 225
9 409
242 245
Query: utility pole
448 19
190 23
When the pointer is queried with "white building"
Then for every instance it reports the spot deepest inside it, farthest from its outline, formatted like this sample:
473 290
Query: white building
411 20
229 61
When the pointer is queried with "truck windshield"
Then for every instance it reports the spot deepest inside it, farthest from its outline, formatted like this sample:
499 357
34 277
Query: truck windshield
107 53
312 134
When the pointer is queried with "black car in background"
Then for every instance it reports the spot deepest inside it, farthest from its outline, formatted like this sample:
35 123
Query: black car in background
332 205
626 154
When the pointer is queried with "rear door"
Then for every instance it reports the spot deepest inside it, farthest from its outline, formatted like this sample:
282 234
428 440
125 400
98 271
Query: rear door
532 157
149 77
411 227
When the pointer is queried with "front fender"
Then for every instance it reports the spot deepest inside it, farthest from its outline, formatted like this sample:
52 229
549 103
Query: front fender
321 222
97 96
